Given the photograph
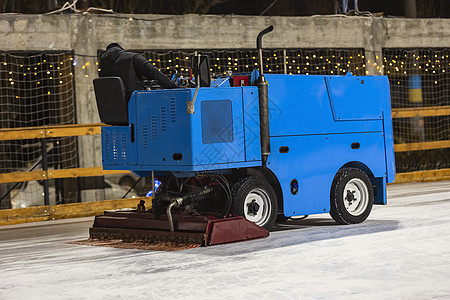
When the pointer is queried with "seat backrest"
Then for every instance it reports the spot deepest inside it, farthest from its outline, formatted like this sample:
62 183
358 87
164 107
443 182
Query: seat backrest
111 101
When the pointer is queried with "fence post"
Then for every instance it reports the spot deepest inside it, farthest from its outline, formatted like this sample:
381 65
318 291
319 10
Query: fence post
45 168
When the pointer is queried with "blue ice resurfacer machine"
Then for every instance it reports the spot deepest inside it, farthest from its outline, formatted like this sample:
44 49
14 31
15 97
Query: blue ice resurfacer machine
235 153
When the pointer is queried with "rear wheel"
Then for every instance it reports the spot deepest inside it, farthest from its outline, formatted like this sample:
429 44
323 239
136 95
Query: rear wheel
255 199
351 196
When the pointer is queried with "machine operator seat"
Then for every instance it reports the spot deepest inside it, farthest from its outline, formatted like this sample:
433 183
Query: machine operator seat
111 101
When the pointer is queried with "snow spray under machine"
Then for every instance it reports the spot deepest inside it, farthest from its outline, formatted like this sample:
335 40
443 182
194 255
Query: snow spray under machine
210 145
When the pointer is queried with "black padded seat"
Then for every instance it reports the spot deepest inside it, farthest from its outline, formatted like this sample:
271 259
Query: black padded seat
111 101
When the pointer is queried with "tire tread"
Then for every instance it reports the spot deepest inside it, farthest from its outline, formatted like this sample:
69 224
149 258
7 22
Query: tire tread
245 183
336 211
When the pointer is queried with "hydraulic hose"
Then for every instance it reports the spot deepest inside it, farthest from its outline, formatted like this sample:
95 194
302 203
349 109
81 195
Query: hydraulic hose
175 203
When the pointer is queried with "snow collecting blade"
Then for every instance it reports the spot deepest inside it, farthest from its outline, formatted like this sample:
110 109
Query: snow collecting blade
146 230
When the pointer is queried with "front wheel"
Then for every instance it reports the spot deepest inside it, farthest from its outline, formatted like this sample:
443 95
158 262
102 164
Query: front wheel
351 196
255 199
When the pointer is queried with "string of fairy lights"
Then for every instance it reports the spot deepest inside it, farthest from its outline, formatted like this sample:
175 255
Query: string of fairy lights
297 61
290 61
36 89
425 63
41 85
430 65
416 62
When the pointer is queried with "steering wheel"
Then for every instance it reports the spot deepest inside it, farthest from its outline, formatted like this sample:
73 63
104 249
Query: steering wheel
148 84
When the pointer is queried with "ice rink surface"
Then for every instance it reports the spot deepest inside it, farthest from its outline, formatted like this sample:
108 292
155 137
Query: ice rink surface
401 252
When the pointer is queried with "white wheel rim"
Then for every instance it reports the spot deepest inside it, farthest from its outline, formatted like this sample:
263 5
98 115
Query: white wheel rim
257 198
356 197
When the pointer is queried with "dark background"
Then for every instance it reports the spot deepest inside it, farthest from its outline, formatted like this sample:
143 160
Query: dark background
395 8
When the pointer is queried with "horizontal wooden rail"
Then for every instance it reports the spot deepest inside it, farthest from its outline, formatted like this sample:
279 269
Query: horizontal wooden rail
422 146
421 111
423 176
49 131
53 174
82 172
64 211
23 176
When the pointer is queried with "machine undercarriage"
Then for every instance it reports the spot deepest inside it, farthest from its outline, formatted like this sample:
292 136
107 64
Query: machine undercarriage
185 212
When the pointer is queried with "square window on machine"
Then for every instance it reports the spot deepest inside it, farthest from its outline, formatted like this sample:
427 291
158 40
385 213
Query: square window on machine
217 121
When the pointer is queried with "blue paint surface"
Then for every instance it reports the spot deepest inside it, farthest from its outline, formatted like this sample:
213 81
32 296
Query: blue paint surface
217 121
167 138
314 160
314 120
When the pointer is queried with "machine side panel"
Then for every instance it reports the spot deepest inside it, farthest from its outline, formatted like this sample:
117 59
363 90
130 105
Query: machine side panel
250 102
313 160
117 148
218 127
300 105
163 128
170 139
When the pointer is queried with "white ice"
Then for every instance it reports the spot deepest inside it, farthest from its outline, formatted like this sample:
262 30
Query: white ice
401 252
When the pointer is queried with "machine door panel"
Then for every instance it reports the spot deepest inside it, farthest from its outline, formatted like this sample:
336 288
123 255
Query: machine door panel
314 160
218 127
357 98
300 105
163 128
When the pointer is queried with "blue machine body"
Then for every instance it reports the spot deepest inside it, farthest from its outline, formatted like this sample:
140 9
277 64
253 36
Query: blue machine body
318 125
166 138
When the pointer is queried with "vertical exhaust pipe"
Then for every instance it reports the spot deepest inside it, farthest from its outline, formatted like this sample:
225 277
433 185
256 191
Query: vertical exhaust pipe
263 100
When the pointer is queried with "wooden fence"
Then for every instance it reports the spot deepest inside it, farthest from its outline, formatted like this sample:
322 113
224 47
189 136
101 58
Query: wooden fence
421 112
11 216
51 132
52 212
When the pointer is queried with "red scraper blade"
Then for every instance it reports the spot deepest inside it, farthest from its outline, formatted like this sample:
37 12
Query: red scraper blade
233 229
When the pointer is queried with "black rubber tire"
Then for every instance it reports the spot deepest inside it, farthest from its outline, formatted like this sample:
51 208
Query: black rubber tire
338 211
243 187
